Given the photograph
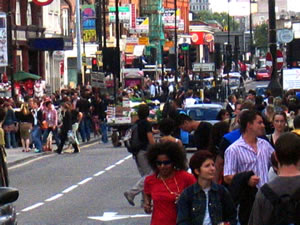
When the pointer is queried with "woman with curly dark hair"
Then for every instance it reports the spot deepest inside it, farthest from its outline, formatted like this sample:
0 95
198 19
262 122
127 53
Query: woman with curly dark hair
163 187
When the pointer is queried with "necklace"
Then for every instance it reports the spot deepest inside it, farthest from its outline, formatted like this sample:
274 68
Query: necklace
172 192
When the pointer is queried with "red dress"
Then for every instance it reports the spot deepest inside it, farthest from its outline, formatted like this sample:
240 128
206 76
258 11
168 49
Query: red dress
164 207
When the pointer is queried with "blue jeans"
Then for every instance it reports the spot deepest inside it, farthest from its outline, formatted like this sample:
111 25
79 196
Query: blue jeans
55 136
84 128
36 136
103 127
10 139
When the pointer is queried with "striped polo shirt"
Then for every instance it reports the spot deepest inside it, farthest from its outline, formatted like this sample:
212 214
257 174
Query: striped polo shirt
241 157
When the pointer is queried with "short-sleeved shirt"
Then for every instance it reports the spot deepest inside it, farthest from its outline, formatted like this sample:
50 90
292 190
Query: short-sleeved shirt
144 127
240 157
164 207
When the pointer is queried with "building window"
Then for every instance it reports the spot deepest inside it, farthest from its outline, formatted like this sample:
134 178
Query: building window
18 13
29 16
65 22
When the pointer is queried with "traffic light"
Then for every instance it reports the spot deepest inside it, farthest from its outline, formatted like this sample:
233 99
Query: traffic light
228 66
192 54
165 58
95 67
109 59
218 58
180 59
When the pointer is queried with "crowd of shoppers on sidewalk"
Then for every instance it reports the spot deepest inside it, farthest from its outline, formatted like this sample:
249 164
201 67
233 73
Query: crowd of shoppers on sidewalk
66 116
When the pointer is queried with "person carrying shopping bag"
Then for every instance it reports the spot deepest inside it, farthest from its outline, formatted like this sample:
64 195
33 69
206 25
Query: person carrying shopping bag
66 128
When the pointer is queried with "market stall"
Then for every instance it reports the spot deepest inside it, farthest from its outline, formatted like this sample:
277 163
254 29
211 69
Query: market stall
122 117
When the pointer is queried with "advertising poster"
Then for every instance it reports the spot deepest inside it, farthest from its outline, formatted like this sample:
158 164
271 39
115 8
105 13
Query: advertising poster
3 41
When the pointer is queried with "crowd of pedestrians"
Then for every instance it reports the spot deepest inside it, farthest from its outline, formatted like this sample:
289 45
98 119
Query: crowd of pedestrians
63 117
254 145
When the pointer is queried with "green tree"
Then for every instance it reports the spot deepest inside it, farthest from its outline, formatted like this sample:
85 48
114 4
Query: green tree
261 37
221 18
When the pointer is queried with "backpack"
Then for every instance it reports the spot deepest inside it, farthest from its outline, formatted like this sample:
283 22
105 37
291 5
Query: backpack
132 141
286 208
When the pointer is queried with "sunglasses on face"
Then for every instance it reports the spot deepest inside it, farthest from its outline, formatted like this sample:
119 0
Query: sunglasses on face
165 163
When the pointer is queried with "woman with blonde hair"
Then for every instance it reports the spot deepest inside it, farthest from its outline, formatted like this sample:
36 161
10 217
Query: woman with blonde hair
26 121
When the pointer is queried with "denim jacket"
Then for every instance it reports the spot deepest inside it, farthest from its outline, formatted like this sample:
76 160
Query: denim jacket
192 205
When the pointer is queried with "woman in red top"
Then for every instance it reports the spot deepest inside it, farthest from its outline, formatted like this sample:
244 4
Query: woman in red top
164 186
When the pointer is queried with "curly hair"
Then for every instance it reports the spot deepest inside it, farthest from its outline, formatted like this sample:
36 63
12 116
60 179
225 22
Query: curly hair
171 149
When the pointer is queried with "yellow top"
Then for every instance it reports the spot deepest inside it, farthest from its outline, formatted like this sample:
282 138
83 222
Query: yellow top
2 141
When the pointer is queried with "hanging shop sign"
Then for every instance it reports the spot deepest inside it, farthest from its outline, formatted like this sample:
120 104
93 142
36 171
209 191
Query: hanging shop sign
3 40
141 27
42 2
124 14
89 23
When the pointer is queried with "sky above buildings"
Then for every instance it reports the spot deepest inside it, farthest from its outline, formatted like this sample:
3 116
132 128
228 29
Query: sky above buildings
242 6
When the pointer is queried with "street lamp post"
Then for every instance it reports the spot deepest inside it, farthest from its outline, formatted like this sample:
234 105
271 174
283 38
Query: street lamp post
175 40
9 48
274 85
78 39
117 53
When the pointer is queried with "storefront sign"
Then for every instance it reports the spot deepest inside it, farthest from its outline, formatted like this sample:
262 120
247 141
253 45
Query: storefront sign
197 38
42 2
3 41
142 26
291 79
89 23
124 14
98 80
89 36
133 16
144 41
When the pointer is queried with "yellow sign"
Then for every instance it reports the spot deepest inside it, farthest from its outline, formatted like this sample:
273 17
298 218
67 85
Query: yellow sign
99 58
89 36
144 41
84 59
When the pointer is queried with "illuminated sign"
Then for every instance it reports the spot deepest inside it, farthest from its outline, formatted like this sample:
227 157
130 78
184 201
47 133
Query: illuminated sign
42 2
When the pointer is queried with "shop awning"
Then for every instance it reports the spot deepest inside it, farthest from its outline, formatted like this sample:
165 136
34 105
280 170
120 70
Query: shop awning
21 75
51 44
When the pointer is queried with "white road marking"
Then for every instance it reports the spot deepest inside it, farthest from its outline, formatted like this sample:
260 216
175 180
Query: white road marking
33 207
85 180
120 161
99 173
70 189
109 167
54 197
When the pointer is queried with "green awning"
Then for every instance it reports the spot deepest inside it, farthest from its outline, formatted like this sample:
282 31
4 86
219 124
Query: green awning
21 75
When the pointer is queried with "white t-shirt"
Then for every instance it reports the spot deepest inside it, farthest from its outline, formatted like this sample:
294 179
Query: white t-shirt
206 220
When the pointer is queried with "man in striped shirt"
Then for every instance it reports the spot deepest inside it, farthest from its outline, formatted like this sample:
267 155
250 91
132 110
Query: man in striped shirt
248 155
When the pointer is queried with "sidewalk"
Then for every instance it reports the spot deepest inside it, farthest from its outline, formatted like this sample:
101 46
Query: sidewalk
16 156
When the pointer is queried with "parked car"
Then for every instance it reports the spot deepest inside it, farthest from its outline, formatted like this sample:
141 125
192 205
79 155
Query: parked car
8 195
263 74
199 112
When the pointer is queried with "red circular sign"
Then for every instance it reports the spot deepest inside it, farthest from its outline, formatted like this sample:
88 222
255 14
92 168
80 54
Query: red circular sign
42 2
279 59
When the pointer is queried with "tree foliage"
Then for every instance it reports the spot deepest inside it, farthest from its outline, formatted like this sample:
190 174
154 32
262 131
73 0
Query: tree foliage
261 37
221 18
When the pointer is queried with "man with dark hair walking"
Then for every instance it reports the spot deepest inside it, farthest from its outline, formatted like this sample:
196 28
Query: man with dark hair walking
146 138
201 130
247 162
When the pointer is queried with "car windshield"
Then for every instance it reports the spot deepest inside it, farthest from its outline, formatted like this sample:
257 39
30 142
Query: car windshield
203 113
262 71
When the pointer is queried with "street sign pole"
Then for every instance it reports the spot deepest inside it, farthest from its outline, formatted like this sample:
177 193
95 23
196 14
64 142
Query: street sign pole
274 85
